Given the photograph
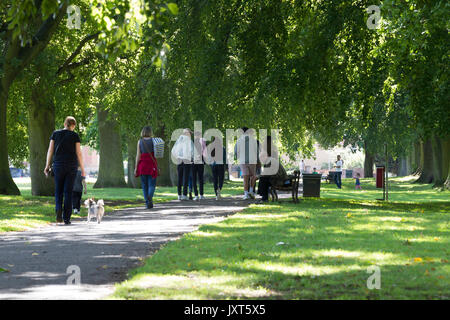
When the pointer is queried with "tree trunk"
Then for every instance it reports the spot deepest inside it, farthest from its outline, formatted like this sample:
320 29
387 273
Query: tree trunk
111 171
164 167
445 143
7 185
402 167
417 158
426 174
368 164
408 164
438 178
133 182
15 59
41 123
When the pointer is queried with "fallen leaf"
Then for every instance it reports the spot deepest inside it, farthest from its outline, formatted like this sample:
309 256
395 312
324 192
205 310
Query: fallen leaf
4 270
35 254
417 259
105 266
349 215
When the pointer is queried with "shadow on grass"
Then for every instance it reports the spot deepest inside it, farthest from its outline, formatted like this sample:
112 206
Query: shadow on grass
324 254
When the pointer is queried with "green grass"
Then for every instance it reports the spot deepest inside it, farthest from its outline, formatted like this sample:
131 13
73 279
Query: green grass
18 213
328 245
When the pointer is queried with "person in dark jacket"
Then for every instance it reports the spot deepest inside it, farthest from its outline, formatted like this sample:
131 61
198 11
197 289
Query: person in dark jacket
65 150
266 180
218 168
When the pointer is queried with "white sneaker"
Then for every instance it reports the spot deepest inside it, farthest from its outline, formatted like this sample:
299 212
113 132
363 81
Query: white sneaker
75 211
196 198
246 197
218 195
251 195
184 198
179 197
202 198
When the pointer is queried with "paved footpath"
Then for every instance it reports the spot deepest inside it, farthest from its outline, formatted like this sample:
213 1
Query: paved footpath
38 260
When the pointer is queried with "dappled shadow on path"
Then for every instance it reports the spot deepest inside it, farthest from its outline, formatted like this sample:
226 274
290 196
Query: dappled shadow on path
37 260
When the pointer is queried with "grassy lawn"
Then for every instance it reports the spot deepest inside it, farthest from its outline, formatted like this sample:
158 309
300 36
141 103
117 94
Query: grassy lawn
318 249
18 213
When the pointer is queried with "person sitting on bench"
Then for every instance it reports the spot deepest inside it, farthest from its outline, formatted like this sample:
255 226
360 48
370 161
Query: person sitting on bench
266 181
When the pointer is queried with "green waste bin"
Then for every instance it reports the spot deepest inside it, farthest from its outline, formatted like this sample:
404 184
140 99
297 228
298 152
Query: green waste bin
349 174
311 184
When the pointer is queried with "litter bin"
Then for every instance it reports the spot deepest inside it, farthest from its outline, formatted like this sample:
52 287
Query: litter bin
380 177
349 173
311 184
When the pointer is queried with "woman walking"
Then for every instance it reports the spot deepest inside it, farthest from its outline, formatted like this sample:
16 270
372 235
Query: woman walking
183 153
218 168
146 165
338 174
66 148
198 167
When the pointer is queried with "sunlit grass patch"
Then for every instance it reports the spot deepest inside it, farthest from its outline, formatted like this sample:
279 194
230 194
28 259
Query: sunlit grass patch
317 249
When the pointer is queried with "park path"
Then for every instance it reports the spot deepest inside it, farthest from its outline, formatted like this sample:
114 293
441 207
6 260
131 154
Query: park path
37 260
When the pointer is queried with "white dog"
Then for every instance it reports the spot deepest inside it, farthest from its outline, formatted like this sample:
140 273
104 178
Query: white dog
95 209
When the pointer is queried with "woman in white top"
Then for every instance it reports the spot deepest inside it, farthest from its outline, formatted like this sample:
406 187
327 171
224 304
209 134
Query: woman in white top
183 152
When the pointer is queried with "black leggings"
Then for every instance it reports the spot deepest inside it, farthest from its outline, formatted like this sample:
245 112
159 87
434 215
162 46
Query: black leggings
197 171
184 171
218 171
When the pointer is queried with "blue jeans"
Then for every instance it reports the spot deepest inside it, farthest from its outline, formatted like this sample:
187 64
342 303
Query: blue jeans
148 187
337 179
64 179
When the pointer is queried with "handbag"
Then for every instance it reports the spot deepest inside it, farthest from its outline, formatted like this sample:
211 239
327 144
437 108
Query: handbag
158 146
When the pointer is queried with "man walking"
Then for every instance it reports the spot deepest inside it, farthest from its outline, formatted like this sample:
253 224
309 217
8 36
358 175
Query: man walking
338 174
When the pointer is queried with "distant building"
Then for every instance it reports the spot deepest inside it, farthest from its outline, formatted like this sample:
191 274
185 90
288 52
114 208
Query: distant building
91 160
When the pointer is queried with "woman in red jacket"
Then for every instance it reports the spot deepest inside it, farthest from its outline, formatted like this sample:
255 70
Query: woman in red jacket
146 165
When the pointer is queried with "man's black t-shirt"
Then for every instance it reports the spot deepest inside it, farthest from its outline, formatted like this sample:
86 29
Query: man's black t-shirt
65 151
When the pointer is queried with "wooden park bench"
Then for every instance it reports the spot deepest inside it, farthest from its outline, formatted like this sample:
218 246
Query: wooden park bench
330 177
294 182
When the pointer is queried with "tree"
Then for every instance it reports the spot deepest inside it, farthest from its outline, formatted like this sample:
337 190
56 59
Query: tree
111 172
419 63
26 27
